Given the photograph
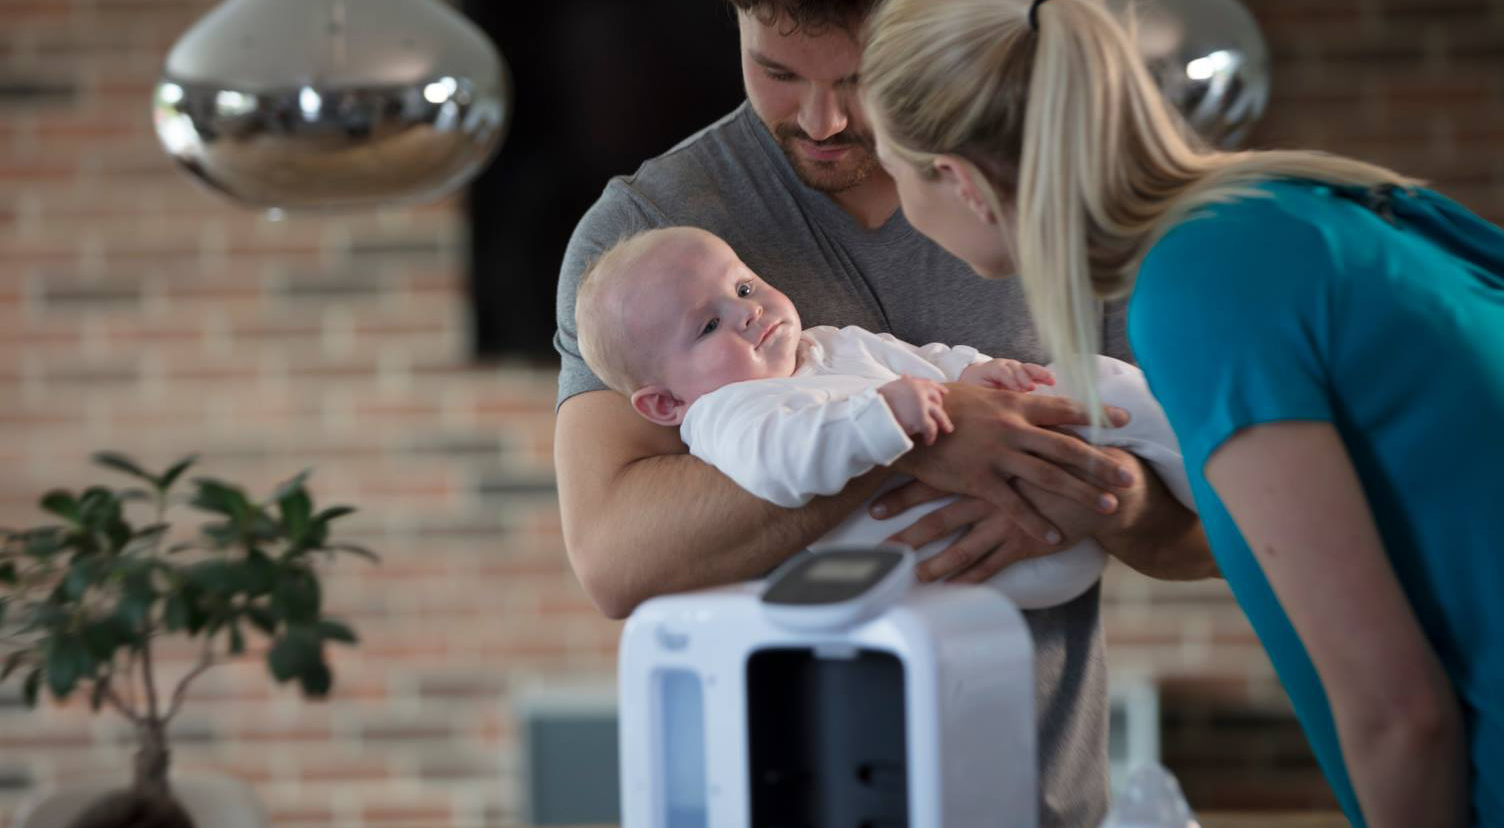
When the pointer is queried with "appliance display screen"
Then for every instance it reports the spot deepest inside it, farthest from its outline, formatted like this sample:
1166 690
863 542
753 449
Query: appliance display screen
842 570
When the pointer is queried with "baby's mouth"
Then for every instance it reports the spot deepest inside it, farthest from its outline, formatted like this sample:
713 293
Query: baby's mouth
767 332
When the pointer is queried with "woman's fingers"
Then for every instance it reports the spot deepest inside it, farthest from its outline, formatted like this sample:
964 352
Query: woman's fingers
1077 459
937 524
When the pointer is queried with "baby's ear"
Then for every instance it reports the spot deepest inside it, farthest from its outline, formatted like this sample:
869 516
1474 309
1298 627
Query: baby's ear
659 405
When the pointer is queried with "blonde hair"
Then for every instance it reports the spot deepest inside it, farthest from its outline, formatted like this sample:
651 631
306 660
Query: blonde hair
1067 128
598 321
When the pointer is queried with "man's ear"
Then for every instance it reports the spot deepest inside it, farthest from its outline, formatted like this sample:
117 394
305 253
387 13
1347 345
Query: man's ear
966 183
659 405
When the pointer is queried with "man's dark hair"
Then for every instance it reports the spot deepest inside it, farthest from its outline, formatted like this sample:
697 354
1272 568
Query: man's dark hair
812 17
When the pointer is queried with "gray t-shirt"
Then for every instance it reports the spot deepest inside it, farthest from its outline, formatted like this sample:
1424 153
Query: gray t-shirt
733 180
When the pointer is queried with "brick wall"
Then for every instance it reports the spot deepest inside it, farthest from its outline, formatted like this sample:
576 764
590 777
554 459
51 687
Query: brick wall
138 313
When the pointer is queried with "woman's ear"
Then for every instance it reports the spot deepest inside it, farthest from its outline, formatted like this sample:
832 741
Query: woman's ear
965 183
659 405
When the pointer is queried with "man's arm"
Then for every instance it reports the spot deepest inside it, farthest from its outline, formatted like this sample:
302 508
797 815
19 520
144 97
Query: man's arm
1153 532
644 518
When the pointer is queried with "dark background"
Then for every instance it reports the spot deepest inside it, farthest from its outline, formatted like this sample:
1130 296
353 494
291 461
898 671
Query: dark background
579 119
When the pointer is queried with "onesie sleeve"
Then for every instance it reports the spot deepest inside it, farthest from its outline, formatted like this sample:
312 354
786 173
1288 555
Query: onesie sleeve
1230 321
787 441
950 359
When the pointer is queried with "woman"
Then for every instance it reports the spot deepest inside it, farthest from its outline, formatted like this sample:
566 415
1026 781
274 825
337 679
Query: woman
1324 335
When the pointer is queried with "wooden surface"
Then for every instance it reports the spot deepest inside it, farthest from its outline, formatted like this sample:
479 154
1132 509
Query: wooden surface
1242 819
1245 819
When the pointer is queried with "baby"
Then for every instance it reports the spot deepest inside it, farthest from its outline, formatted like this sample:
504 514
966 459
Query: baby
674 320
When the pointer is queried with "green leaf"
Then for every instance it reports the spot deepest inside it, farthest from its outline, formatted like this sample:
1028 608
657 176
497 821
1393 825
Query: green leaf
133 493
357 550
176 613
102 636
259 573
335 631
292 486
296 508
333 512
4 605
96 698
67 661
237 641
217 576
33 684
262 619
171 475
62 504
119 533
295 652
136 597
296 597
120 462
80 577
316 680
8 573
47 541
224 499
98 507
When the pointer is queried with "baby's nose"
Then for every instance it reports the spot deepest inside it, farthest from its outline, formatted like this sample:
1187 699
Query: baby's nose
753 314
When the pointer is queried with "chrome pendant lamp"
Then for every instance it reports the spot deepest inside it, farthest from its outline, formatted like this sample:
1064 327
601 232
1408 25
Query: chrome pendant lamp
332 104
1211 61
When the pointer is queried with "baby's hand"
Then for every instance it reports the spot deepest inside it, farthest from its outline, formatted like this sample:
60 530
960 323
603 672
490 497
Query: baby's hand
919 406
1008 374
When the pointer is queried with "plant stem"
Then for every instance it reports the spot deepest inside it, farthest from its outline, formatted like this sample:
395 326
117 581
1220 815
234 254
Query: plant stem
204 663
114 698
152 710
152 758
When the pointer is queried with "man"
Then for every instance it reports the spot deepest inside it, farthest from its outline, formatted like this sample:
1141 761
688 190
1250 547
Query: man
790 180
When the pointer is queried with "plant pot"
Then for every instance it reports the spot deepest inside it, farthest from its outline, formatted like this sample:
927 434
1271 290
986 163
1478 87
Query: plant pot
212 801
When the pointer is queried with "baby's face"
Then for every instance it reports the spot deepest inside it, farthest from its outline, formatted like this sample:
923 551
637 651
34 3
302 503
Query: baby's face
710 320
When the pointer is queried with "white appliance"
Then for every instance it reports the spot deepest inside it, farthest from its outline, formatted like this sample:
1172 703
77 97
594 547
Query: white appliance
838 693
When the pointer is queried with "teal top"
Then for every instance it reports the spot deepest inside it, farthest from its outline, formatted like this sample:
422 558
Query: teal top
1310 304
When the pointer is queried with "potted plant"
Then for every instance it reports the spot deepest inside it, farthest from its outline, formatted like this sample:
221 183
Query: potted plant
84 602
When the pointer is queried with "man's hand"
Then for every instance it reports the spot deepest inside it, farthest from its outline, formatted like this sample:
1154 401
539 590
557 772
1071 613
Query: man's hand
919 406
1153 533
1003 435
991 541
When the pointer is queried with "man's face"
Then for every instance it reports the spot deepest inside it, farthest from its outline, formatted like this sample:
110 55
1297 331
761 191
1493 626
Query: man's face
804 88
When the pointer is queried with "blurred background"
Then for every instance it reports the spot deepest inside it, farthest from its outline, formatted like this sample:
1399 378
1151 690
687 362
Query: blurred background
403 354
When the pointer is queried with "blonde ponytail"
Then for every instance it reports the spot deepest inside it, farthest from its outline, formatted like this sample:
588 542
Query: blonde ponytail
1071 136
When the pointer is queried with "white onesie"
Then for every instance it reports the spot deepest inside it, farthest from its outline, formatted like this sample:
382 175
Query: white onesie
789 439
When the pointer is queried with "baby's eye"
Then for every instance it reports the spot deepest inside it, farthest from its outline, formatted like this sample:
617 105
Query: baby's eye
744 289
710 326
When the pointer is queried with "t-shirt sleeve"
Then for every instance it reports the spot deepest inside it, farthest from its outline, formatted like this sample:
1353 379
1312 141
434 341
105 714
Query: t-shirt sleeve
616 214
1229 320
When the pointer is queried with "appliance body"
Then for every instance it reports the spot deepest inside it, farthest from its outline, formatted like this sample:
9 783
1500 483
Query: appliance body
916 709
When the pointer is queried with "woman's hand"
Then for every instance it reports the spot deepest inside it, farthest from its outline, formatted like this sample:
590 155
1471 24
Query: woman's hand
1003 435
1292 490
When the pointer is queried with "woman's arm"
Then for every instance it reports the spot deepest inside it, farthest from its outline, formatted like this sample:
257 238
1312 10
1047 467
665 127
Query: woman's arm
1292 490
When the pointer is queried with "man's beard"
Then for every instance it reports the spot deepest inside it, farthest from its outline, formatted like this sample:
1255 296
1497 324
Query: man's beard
829 176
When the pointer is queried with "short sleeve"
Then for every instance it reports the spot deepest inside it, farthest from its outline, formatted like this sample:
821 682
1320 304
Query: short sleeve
1229 320
614 215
